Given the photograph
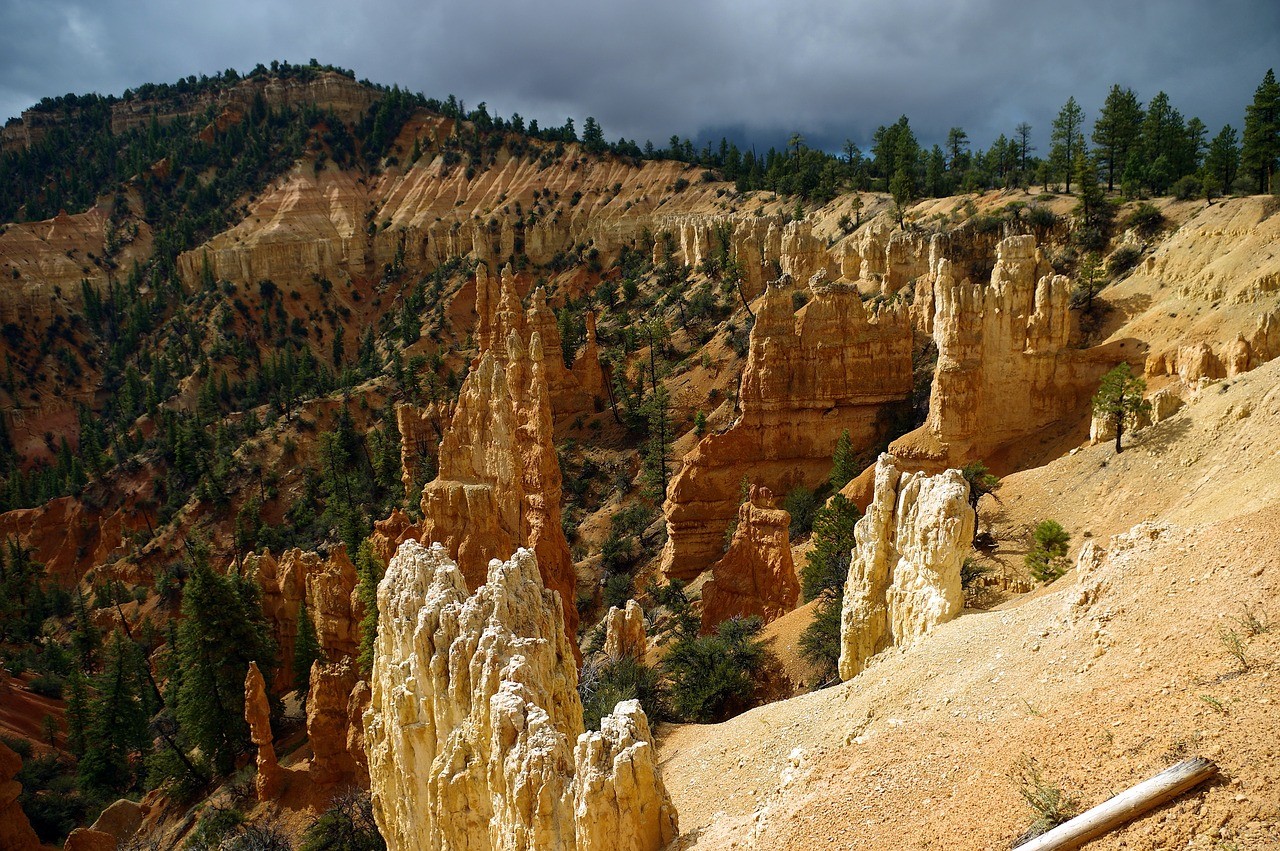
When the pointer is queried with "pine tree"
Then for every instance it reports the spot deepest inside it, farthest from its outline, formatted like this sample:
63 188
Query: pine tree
221 632
118 719
1119 399
306 651
77 714
1222 162
370 571
843 462
1116 131
1260 155
1068 140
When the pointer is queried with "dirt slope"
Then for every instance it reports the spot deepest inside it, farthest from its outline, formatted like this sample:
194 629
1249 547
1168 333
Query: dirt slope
1104 679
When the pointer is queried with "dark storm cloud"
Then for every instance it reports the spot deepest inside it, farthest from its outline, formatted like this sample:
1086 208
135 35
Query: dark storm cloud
649 69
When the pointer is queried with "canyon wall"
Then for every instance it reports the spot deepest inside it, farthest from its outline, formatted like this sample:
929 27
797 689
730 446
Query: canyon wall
15 830
904 578
474 715
834 365
1006 368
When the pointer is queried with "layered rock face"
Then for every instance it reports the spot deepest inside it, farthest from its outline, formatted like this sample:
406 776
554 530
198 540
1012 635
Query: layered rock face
1006 370
326 584
257 714
624 632
904 578
332 684
499 483
832 366
473 716
757 576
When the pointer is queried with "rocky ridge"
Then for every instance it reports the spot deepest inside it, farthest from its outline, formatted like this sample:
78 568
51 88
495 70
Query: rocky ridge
834 365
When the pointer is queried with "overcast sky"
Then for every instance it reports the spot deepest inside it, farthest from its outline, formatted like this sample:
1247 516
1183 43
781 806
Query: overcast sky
649 68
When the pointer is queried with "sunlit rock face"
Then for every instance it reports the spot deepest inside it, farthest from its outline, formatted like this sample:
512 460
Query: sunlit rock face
904 578
474 716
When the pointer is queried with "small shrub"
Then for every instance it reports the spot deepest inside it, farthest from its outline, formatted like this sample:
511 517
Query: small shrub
1123 259
47 685
603 685
1234 645
802 504
1186 188
1051 805
711 677
346 826
1146 220
1047 559
1254 623
618 589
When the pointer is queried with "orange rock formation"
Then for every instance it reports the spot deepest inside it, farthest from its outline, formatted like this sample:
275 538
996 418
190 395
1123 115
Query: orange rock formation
15 830
326 584
499 483
257 713
1006 368
757 575
834 365
327 721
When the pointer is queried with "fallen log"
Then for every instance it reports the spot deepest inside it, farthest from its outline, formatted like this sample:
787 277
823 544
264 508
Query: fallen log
1128 805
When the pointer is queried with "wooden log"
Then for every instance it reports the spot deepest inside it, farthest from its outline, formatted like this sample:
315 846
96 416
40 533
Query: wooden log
1128 805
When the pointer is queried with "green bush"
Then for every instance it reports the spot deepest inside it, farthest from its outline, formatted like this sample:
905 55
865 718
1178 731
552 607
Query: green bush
1146 220
346 826
1123 259
710 678
603 685
1047 559
802 504
820 641
618 589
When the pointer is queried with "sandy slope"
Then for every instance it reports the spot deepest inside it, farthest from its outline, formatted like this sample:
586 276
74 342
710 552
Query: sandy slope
1104 679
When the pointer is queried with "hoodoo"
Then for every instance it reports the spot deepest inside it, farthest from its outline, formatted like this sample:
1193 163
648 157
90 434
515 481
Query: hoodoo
474 716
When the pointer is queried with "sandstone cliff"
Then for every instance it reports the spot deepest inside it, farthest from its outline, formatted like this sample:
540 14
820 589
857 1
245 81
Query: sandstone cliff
904 578
474 713
15 830
327 585
757 576
1006 368
832 366
332 684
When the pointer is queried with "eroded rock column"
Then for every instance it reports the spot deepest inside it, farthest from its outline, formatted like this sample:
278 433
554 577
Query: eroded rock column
904 578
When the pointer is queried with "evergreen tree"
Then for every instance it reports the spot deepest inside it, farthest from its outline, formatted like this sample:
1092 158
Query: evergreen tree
1119 399
656 461
1068 140
306 651
1222 162
1260 155
827 563
1164 142
1116 131
843 462
118 718
593 136
77 714
221 632
369 570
